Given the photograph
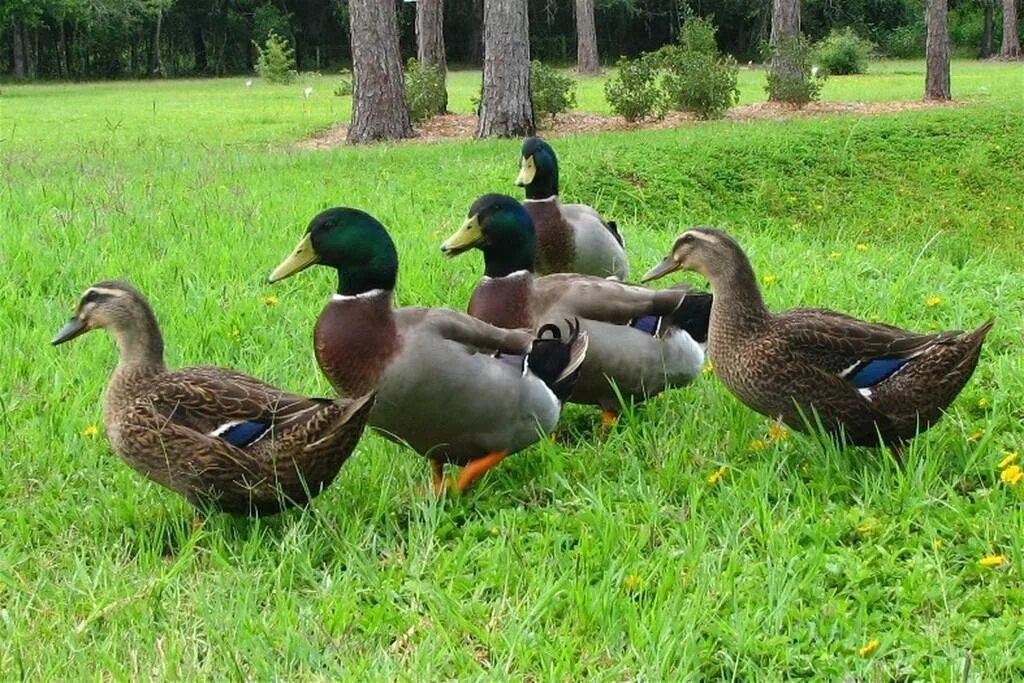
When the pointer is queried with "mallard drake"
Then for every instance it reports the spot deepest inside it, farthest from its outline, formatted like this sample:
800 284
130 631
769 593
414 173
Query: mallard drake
571 238
643 340
216 436
873 382
441 388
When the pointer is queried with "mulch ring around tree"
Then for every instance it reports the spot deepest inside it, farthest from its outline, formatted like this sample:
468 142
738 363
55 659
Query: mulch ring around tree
448 127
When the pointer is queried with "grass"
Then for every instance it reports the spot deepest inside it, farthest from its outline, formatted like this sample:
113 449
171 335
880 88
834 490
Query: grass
605 558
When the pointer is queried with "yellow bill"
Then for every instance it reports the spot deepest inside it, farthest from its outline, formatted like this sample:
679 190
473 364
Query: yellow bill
465 238
303 257
527 170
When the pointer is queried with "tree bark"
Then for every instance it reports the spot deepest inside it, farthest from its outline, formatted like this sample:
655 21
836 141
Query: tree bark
379 111
17 50
430 38
506 107
986 37
587 63
1011 37
785 26
936 80
199 45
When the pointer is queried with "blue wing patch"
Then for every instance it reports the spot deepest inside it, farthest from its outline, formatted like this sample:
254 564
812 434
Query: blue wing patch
649 324
242 434
872 372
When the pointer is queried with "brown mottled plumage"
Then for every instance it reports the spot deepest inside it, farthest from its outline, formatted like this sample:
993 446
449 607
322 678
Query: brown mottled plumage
214 435
873 382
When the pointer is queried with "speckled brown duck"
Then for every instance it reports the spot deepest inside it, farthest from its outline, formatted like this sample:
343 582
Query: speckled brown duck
454 389
220 438
873 382
642 341
571 238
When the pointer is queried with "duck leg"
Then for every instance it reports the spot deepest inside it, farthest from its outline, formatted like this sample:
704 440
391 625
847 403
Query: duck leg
476 469
609 418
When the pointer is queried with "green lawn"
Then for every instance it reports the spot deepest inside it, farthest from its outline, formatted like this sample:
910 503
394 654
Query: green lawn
606 558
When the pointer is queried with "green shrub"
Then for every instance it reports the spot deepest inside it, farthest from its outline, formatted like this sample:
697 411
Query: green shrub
698 35
553 91
344 85
843 52
275 61
424 90
633 91
795 84
905 42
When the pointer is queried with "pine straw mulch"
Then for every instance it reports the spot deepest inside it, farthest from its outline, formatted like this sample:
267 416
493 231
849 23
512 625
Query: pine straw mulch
449 127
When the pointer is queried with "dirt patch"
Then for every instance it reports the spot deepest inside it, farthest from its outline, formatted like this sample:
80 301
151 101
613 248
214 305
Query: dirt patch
449 127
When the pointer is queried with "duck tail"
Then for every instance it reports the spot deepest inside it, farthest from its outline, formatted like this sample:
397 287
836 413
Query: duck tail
693 315
613 228
556 361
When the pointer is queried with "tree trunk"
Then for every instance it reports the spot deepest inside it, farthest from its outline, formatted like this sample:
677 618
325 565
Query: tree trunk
430 38
587 63
506 108
62 50
785 26
1011 38
936 80
379 111
199 46
986 37
156 61
17 50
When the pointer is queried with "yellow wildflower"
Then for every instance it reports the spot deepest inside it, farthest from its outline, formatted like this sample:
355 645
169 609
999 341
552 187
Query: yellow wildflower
983 402
976 436
768 279
757 445
91 430
632 583
777 432
861 246
992 560
934 301
869 647
270 300
835 254
1011 475
716 476
709 368
495 531
936 544
1011 457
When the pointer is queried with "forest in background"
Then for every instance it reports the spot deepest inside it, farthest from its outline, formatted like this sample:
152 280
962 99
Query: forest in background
96 39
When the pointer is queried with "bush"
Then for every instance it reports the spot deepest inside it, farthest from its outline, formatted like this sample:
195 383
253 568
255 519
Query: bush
796 84
424 90
698 35
276 60
553 92
633 91
905 42
344 85
843 52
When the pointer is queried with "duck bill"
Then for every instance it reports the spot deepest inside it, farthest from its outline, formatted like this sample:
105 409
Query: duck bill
301 258
465 238
527 171
76 327
667 266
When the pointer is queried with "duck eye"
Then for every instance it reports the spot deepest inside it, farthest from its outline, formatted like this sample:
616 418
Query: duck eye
687 239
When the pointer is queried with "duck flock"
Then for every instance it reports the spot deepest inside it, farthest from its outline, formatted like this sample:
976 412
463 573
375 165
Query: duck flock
552 320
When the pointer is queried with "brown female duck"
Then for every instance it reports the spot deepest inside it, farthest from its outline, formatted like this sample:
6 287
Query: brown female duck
872 382
216 436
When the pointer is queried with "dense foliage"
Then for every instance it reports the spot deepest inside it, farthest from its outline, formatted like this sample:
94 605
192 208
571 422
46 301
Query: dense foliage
843 52
275 61
424 90
801 82
696 78
133 38
633 91
553 91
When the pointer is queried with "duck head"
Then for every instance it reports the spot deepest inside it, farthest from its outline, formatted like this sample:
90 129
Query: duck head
706 250
352 242
500 227
123 311
538 169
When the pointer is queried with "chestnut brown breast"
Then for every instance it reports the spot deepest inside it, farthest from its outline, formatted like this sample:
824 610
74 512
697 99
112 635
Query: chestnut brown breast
556 249
355 338
504 301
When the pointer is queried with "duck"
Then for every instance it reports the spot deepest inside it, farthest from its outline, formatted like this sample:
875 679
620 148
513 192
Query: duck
454 389
868 384
642 341
571 238
220 438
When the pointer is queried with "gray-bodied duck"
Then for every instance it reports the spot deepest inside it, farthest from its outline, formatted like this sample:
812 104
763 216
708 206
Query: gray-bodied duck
453 388
571 238
874 382
642 341
218 437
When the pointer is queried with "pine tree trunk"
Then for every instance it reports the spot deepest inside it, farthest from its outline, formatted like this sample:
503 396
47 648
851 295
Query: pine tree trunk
785 26
1011 37
986 37
156 62
430 38
936 80
379 111
17 50
199 46
506 107
587 63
